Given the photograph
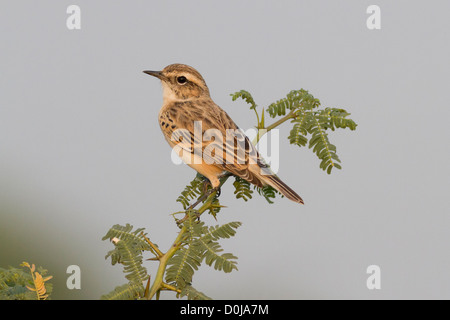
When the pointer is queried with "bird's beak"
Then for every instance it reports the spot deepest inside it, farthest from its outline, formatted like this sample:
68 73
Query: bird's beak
156 74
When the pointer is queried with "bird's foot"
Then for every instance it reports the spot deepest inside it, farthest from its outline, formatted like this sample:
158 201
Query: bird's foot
203 197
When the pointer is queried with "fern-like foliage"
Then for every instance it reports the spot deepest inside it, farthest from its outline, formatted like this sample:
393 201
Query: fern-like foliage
242 189
131 259
296 99
308 119
192 191
192 294
246 96
211 249
128 291
128 249
124 235
200 244
333 118
298 132
187 259
182 266
268 193
321 146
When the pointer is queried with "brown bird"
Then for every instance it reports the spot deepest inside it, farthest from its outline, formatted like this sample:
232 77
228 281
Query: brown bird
189 120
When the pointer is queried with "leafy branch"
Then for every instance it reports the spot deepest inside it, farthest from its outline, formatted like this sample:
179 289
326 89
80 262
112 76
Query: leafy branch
197 243
302 109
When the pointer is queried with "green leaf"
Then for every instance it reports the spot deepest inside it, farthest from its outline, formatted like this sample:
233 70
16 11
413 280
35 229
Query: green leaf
333 118
182 265
299 131
128 291
188 258
321 146
131 259
211 252
211 249
125 233
295 100
246 96
268 192
192 191
309 119
224 231
200 244
128 251
242 189
193 294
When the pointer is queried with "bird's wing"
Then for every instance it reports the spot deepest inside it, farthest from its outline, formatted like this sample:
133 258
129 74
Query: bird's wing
206 130
234 152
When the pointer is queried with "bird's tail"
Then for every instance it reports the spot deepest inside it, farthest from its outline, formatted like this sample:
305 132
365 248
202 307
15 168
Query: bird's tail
276 183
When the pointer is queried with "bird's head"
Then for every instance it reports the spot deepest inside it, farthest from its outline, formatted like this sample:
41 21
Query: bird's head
181 82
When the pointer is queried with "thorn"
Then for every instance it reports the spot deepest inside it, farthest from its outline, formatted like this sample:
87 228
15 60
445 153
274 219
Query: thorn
147 287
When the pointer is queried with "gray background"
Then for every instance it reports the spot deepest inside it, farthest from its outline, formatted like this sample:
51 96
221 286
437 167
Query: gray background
80 148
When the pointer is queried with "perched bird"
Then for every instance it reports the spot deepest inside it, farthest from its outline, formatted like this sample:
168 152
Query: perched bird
189 119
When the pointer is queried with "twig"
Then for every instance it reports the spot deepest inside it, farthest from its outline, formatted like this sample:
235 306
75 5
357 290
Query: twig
156 252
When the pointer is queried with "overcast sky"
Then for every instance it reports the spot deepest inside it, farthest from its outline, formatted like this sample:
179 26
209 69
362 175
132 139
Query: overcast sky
81 149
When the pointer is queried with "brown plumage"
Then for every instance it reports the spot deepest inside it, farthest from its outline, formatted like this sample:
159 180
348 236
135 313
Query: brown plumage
186 117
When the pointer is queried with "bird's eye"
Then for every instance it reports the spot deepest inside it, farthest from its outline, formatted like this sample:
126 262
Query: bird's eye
181 80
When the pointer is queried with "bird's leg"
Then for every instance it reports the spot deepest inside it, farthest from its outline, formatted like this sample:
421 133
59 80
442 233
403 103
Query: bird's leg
205 192
206 183
186 216
203 197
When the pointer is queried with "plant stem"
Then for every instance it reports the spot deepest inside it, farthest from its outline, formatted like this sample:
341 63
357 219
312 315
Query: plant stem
290 115
157 283
257 117
170 287
156 250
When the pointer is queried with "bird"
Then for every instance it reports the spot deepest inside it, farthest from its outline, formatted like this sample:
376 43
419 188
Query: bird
186 117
